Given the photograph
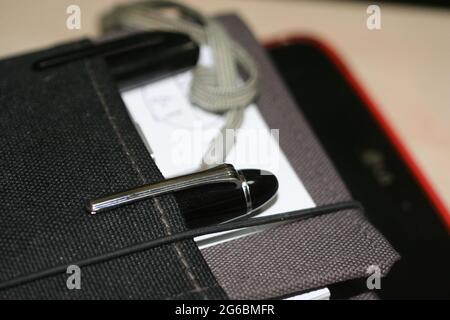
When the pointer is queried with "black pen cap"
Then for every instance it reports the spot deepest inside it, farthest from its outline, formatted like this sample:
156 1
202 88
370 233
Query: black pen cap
263 186
216 203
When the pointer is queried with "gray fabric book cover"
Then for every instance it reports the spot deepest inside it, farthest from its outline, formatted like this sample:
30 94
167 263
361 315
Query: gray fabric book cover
303 255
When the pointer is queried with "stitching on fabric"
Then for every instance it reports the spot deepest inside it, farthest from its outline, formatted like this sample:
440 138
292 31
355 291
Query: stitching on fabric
177 247
197 287
182 235
111 119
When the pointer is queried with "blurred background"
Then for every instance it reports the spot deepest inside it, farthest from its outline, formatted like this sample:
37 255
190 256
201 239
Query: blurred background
404 66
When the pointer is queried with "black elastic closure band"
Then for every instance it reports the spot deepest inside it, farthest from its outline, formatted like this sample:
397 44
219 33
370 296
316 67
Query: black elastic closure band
188 234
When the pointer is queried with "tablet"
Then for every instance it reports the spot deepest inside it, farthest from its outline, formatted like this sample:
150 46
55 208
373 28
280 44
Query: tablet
374 164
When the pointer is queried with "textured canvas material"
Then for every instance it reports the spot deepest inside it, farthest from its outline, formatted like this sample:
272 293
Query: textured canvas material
65 138
301 255
369 295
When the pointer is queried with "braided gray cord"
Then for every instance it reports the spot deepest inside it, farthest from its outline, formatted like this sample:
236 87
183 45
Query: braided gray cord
217 88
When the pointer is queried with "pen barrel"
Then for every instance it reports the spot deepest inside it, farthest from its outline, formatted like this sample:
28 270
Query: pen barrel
209 205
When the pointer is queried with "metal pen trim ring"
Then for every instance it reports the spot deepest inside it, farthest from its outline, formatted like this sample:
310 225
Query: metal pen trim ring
246 189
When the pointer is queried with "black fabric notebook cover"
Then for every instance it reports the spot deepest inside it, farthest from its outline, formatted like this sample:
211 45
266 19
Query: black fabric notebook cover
65 138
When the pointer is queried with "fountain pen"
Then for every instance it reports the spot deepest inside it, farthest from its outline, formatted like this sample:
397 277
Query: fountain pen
205 198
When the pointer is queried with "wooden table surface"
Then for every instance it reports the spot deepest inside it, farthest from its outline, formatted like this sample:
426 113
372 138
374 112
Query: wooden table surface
405 66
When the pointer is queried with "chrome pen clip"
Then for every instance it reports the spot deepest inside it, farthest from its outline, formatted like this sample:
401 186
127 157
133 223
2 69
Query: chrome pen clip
224 173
